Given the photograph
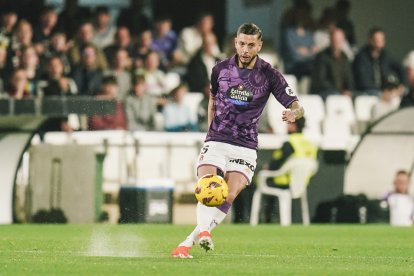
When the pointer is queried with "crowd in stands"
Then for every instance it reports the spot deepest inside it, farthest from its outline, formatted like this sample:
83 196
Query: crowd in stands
148 68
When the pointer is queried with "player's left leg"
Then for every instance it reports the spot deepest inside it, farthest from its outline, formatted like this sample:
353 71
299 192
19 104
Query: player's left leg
183 249
209 217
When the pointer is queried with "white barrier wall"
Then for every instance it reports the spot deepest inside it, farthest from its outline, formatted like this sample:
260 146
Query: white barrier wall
389 147
11 150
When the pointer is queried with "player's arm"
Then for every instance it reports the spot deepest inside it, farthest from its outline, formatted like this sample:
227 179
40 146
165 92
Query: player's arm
210 112
294 112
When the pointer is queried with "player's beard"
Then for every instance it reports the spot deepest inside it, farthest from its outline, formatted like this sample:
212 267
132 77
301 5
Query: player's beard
246 64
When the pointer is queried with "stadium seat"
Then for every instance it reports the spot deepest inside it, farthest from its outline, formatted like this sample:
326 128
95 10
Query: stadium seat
336 134
340 106
192 100
274 115
171 81
298 169
314 114
363 107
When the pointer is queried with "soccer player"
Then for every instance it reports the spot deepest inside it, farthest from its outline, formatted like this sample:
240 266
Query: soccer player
240 88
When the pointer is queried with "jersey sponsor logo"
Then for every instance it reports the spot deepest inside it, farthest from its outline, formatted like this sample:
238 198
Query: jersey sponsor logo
289 91
243 162
239 95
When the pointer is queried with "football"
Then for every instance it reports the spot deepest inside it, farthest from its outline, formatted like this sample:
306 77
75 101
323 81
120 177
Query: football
211 190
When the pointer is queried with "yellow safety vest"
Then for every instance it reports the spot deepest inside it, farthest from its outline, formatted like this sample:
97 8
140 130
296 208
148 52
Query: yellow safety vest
302 147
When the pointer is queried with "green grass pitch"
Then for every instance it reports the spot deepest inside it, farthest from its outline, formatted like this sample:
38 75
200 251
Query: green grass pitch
143 249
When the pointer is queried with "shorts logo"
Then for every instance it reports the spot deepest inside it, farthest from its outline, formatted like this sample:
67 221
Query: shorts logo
204 149
201 157
289 91
243 162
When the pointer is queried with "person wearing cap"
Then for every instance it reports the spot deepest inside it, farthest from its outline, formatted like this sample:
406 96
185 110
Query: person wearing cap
408 99
296 146
389 98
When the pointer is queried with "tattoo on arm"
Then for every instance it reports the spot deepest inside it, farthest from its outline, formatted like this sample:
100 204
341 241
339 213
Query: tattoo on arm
297 109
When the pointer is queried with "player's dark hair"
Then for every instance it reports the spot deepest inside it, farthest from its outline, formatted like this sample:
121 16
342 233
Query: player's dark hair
250 29
300 124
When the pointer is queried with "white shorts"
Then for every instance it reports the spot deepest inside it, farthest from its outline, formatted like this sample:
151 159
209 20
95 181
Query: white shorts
228 158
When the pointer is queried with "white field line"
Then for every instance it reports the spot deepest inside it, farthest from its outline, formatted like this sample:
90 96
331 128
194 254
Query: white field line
161 254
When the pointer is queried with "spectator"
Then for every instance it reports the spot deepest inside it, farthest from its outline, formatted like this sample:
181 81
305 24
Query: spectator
8 24
342 8
142 49
29 62
122 41
408 99
332 72
401 204
57 47
327 23
165 41
109 91
17 87
71 17
21 39
134 18
3 66
140 107
299 44
56 83
389 99
373 64
177 116
202 110
43 31
200 66
87 75
120 71
154 76
297 146
191 38
104 31
85 36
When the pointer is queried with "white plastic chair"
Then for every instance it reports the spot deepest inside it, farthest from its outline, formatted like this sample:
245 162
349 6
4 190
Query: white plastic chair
299 169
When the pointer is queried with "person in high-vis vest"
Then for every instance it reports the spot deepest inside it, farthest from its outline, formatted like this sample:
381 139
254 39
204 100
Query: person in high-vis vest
296 146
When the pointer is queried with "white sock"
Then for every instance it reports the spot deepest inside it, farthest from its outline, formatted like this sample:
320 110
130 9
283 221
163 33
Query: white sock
208 217
191 239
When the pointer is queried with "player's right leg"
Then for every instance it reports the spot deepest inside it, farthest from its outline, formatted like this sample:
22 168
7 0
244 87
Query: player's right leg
183 249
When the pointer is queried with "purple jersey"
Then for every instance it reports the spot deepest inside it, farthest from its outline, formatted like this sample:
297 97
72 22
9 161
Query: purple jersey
240 96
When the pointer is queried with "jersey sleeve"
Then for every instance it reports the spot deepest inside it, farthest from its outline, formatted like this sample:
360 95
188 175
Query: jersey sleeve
281 89
214 86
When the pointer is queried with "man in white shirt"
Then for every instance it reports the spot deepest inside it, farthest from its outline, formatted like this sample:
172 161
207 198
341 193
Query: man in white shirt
400 203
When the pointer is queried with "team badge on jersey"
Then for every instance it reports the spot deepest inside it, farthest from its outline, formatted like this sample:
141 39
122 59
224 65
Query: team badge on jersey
289 91
239 95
